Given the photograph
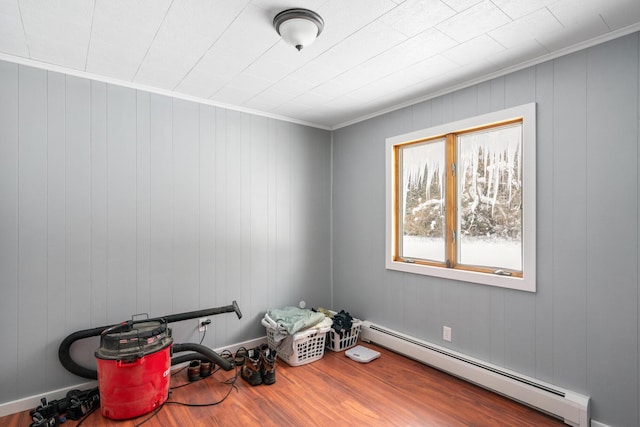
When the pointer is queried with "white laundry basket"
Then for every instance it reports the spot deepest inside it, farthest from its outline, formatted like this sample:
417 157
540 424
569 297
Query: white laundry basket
308 345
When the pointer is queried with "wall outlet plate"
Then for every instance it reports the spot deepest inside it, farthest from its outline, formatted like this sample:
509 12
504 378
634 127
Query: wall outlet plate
202 323
446 333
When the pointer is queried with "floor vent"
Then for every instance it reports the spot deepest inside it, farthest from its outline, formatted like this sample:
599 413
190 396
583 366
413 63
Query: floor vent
571 407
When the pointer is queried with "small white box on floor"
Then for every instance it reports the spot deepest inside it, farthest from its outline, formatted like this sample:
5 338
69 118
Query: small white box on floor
362 354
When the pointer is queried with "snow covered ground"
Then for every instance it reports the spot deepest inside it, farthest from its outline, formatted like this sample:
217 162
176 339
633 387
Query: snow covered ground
500 253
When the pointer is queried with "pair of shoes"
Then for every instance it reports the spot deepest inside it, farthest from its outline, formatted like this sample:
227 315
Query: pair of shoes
259 365
199 369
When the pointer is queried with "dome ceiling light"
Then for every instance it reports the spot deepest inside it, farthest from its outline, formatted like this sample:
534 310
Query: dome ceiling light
298 27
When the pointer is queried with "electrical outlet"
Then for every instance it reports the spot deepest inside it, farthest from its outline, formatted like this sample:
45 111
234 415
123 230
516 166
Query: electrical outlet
202 323
446 333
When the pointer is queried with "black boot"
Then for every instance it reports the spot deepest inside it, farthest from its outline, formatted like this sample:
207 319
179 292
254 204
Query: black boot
268 364
251 371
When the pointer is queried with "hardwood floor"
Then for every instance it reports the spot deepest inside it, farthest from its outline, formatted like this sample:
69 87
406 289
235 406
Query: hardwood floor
333 391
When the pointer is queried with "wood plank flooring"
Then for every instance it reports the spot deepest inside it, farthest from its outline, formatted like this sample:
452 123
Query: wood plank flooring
333 391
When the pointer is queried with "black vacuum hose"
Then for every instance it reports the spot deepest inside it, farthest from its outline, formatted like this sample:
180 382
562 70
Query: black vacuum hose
202 313
64 351
201 352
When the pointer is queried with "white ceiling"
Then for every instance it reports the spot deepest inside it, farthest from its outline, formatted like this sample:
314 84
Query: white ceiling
372 56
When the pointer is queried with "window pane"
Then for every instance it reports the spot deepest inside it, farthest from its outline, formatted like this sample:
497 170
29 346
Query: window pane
490 198
423 194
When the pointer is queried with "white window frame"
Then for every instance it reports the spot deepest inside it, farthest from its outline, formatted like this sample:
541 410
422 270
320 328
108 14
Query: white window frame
528 280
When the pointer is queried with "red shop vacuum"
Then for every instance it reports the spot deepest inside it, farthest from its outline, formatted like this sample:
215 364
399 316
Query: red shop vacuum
134 361
134 368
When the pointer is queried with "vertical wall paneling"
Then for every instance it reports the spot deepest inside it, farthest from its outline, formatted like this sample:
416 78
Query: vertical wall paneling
465 103
272 297
378 278
160 202
413 304
361 193
341 142
258 158
244 259
437 112
446 106
78 201
483 98
544 205
98 179
612 222
520 313
283 211
520 87
318 199
185 203
422 115
520 332
220 195
570 213
221 229
143 201
57 287
239 235
497 94
121 203
298 209
32 226
233 234
206 226
77 125
477 306
497 326
9 172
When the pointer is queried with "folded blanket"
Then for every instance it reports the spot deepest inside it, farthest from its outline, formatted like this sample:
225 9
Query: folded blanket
294 319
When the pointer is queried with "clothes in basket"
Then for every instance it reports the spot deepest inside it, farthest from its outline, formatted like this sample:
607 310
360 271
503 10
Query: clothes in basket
286 322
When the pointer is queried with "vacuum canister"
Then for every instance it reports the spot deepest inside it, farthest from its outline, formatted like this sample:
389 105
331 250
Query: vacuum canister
134 368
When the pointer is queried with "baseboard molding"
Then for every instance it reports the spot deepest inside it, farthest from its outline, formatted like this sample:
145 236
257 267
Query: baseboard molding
595 423
32 402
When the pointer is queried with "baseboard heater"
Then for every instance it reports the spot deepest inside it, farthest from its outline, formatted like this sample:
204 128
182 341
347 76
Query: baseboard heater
571 407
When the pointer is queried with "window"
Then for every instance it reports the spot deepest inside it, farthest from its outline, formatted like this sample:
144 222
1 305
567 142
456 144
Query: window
461 200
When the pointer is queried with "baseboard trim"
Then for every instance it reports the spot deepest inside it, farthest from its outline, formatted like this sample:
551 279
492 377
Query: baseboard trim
595 423
32 402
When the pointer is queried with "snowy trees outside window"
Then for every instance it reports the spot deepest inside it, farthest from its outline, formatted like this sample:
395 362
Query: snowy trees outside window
423 200
489 220
461 200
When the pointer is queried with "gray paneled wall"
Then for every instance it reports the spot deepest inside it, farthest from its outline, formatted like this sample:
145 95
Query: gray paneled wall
580 330
116 201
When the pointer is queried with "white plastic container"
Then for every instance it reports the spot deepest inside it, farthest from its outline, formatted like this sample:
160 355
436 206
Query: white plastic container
335 342
308 345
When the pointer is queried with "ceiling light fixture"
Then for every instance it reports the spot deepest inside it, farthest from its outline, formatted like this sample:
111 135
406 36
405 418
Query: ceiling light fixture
298 27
